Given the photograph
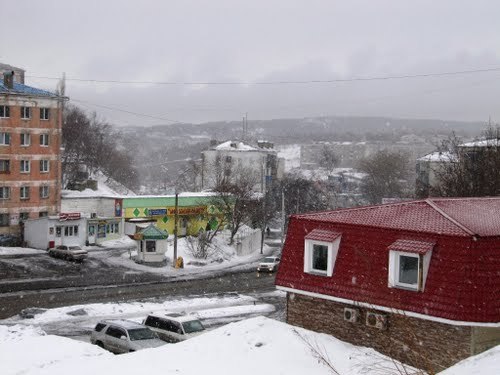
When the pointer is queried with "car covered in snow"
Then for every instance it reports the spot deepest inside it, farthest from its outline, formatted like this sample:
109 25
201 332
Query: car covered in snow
268 264
174 327
75 253
124 336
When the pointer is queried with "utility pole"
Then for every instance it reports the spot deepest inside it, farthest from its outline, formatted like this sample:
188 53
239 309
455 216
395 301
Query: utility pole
176 218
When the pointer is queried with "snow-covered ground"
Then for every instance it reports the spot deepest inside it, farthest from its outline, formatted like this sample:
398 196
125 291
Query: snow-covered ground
221 257
20 251
256 345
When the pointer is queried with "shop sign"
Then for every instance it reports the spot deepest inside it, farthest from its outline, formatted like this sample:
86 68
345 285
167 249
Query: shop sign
157 212
188 210
70 216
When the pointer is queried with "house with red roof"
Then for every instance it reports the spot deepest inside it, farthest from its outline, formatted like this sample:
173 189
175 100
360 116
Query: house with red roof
418 281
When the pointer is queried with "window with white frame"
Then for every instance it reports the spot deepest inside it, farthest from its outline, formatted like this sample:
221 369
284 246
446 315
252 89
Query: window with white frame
44 139
4 111
44 191
44 113
320 252
24 192
25 139
4 166
4 192
409 263
25 166
44 165
25 113
4 139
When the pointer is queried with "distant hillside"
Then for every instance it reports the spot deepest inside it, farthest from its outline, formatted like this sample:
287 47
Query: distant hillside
285 131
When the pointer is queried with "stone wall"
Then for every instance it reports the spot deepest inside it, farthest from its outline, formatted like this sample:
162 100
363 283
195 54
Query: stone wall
425 344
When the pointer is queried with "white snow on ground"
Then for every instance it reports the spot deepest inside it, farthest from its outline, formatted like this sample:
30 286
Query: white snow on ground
221 257
202 307
257 345
20 251
487 363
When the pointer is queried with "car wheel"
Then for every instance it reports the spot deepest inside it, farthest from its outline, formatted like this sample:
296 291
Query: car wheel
99 344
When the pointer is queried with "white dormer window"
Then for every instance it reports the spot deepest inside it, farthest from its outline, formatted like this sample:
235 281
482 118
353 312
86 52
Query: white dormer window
320 252
409 263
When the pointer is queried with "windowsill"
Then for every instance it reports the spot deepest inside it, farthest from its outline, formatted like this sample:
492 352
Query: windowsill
25 145
25 118
25 172
44 171
317 273
44 145
406 287
44 119
24 199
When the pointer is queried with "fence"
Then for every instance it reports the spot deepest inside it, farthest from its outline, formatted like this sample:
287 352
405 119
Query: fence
247 241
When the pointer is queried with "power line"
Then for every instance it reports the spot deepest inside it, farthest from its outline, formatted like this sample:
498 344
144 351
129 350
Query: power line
124 110
282 82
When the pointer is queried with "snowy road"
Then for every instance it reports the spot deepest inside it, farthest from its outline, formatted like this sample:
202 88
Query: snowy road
249 282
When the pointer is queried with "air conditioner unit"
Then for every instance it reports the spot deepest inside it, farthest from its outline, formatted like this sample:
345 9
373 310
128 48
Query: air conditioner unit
351 315
93 215
376 320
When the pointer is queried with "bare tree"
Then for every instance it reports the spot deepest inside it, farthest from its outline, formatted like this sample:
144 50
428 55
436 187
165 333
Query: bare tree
235 197
93 144
470 169
387 176
328 159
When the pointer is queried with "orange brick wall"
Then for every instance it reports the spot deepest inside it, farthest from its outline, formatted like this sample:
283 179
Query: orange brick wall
34 152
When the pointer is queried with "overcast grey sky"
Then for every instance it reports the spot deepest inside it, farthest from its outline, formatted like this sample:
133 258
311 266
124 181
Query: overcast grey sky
250 41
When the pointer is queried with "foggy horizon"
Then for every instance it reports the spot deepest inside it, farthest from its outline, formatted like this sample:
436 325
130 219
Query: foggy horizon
261 42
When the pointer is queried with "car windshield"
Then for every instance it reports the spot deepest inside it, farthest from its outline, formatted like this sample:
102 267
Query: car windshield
268 260
141 334
193 326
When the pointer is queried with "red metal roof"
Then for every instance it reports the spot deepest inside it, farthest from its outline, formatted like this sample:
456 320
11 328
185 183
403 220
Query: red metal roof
322 235
449 216
463 279
411 246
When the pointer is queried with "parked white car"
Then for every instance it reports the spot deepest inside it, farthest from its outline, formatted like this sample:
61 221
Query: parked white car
269 264
123 336
69 252
174 327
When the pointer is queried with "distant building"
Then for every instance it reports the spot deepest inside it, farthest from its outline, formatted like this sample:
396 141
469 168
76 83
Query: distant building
30 142
226 160
430 166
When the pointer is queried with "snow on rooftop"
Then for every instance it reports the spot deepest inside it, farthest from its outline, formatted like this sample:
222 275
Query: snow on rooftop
106 187
438 156
234 146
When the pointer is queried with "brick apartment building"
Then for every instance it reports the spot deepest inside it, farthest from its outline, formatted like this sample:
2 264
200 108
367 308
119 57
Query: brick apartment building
30 142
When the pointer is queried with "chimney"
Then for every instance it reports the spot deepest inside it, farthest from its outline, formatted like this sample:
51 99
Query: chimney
8 79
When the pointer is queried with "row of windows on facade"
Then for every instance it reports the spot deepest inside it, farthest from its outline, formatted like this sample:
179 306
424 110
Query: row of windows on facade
24 166
24 139
26 112
406 270
24 192
5 218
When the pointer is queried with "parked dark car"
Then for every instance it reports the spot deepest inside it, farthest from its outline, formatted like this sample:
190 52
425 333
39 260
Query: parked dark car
9 240
69 252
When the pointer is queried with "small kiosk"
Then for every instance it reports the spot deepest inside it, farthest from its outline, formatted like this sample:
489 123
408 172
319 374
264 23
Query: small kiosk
151 244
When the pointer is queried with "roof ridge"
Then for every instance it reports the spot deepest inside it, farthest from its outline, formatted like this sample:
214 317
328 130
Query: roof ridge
362 208
448 217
